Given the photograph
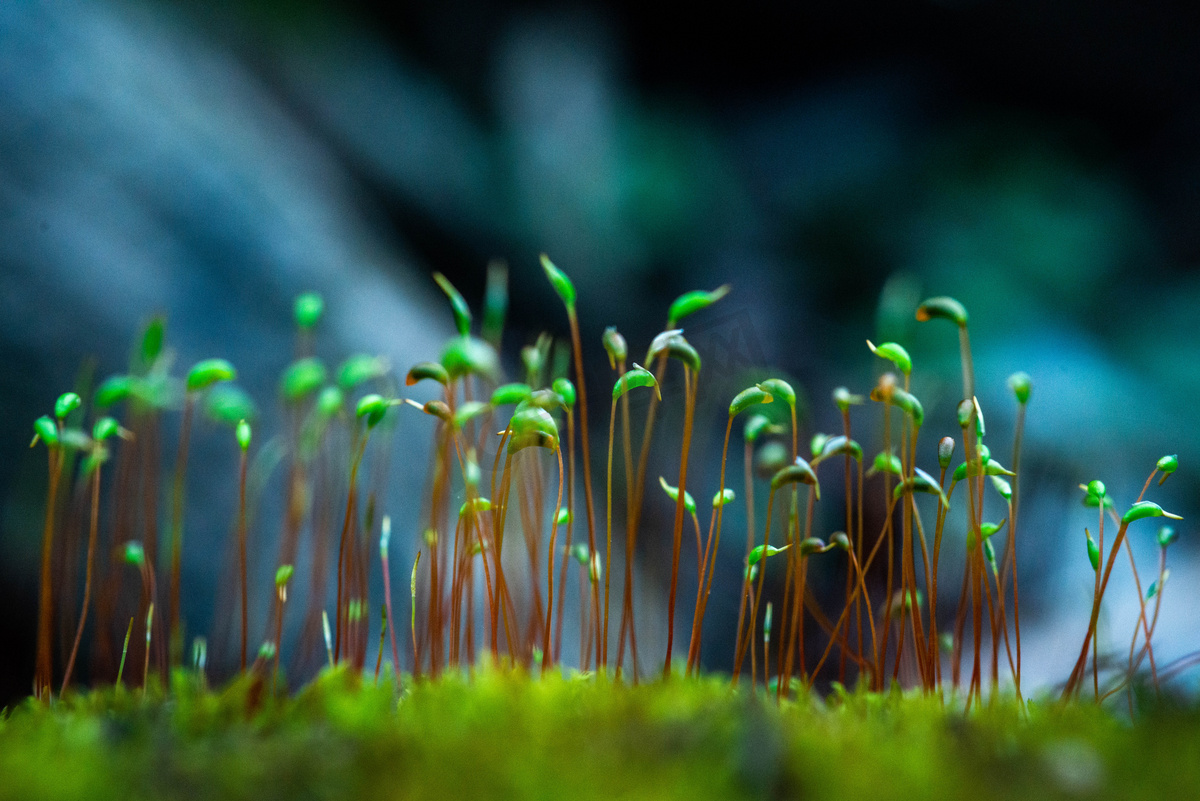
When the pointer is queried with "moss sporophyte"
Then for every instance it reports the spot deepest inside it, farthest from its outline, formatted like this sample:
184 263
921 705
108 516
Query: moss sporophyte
504 466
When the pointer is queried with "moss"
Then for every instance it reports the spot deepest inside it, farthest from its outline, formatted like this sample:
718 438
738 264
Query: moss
506 736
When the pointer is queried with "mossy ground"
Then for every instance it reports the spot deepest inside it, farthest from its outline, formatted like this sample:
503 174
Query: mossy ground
505 736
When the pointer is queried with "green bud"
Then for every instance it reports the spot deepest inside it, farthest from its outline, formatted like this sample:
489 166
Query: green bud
373 407
778 388
1157 585
426 370
475 506
840 540
104 428
636 377
985 453
495 301
689 502
725 496
1167 465
674 345
228 403
838 445
113 390
1167 535
945 451
135 554
1002 487
886 462
46 430
987 529
693 301
564 517
561 283
747 398
614 346
266 651
944 308
307 310
438 409
894 353
283 575
989 553
243 435
844 400
798 471
1020 384
755 426
330 401
471 474
756 555
208 372
468 355
771 458
910 405
812 545
152 340
565 390
462 312
817 443
359 369
532 426
1146 509
966 413
301 378
1093 551
542 399
1096 488
920 481
66 403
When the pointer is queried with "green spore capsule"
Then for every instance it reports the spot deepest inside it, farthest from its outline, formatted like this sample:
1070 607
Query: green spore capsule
532 427
758 552
495 301
633 378
283 575
510 394
812 545
565 390
747 398
330 402
1093 551
153 337
307 310
243 434
470 356
45 430
755 426
462 312
1020 384
1003 487
423 371
689 502
845 399
228 403
359 369
373 407
771 458
468 412
134 553
1096 488
894 353
615 346
208 372
778 388
840 445
1143 509
559 281
1167 465
817 444
840 540
66 403
694 301
945 452
266 651
104 428
799 471
965 413
1166 535
564 517
887 462
942 308
302 378
675 346
725 496
113 390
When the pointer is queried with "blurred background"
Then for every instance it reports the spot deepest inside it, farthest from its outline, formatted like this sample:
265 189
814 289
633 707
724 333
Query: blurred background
835 163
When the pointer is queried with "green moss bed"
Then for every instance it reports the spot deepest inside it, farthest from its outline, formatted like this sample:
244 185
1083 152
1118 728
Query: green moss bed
507 736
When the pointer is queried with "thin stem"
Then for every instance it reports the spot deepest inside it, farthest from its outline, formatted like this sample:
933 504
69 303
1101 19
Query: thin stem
87 580
689 393
581 385
44 674
175 644
546 655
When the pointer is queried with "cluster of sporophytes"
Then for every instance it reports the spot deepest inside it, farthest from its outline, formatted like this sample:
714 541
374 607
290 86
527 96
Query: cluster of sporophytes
471 601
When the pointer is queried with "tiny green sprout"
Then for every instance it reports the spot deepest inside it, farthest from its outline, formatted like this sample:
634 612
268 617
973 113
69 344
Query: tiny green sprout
307 310
565 390
330 402
426 370
45 430
1003 487
468 412
747 398
723 497
229 403
470 356
798 471
844 399
615 346
104 428
1167 465
945 451
152 340
373 407
817 443
813 545
1146 509
839 444
266 651
689 502
694 301
965 413
359 369
532 426
894 353
840 540
1020 384
886 462
475 505
944 308
564 517
1166 535
771 458
243 434
283 575
778 388
756 554
208 372
135 554
1093 551
635 377
1157 585
674 345
462 312
561 283
66 403
113 390
301 378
